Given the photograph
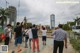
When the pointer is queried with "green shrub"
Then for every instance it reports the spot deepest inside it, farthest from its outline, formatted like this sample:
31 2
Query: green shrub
76 44
1 30
49 31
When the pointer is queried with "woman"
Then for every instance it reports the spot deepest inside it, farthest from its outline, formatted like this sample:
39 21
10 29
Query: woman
26 37
7 34
44 34
29 32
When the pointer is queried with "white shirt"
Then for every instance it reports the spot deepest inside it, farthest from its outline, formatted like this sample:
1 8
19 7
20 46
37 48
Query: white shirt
26 31
44 32
29 32
9 32
5 30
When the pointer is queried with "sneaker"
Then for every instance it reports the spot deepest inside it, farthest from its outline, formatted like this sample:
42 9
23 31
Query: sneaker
26 46
13 52
20 50
30 47
45 43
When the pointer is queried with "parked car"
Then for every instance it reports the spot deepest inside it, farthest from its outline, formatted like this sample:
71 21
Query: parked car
76 29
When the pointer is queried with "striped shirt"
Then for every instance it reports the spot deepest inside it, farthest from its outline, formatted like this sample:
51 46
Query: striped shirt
60 34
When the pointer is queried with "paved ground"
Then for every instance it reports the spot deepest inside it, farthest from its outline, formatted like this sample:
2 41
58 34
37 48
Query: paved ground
28 50
49 49
43 49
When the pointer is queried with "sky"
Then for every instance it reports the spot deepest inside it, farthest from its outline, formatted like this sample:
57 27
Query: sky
39 11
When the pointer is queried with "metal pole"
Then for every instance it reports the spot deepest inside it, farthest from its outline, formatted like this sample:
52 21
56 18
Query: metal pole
18 10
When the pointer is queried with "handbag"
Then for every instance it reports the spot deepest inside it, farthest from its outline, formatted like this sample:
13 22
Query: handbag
3 37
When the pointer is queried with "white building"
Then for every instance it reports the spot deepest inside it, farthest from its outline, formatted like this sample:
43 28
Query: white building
52 21
13 15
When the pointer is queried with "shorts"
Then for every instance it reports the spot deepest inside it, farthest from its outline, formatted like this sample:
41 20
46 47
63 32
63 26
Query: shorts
43 38
18 40
30 39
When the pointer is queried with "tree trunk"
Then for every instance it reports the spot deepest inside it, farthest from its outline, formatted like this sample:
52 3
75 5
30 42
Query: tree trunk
5 24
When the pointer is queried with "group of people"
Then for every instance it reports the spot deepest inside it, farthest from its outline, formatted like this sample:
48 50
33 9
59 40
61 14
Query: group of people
22 33
31 33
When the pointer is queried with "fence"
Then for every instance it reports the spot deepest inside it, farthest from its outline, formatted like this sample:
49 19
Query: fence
75 41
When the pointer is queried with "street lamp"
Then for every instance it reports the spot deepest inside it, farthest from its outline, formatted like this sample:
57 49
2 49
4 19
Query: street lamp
25 21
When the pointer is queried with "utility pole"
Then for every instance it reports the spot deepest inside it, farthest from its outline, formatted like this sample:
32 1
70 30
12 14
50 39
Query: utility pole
18 9
25 22
6 3
17 12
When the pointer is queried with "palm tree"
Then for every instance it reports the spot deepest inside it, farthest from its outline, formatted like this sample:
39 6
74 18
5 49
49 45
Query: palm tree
4 15
76 20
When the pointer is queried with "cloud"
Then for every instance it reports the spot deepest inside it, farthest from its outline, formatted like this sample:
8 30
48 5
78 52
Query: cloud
39 11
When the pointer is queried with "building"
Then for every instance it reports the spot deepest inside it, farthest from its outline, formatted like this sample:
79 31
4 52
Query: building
52 21
12 15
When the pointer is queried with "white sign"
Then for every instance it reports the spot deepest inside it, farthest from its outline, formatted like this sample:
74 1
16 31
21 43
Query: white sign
3 48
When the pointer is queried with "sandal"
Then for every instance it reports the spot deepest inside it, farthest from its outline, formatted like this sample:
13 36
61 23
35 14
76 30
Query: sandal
20 50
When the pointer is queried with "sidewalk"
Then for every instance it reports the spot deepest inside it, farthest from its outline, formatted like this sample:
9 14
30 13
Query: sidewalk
43 49
49 49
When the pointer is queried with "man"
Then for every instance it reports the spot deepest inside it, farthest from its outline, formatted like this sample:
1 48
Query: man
59 39
35 38
18 36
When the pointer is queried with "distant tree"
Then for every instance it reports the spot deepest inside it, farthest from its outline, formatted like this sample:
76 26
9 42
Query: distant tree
29 24
66 27
71 23
3 16
47 27
77 20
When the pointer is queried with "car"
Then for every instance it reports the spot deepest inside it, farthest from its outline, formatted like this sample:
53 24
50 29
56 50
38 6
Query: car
76 29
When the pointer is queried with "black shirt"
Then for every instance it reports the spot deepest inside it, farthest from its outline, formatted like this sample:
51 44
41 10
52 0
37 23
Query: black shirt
35 33
18 31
